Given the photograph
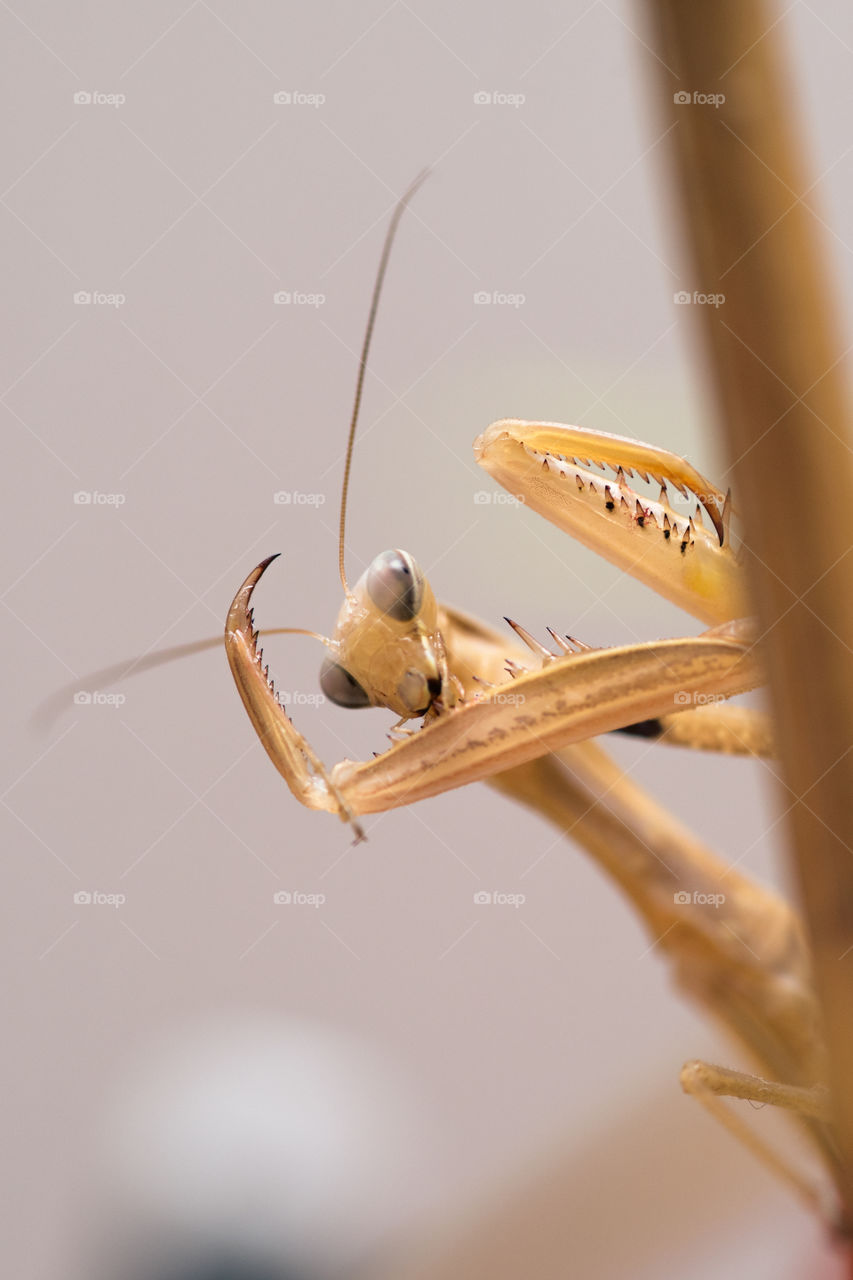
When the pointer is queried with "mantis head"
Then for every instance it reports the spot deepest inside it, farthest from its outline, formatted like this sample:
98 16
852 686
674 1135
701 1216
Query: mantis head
385 650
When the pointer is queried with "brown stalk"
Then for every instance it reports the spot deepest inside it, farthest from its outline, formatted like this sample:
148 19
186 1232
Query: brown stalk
776 366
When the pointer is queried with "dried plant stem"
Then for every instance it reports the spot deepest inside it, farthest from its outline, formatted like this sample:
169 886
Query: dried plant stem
775 359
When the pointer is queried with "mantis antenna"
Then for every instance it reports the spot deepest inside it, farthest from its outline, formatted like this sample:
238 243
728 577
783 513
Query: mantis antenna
57 702
362 364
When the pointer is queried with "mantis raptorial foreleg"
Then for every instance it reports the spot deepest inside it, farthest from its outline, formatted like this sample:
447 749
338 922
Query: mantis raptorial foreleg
729 730
576 696
578 480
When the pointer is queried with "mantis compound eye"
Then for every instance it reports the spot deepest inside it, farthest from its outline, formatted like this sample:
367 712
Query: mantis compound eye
395 584
339 686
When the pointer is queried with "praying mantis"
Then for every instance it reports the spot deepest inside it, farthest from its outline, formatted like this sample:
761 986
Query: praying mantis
522 716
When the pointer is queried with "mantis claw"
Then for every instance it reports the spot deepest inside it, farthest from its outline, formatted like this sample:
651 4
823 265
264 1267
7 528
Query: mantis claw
297 763
672 552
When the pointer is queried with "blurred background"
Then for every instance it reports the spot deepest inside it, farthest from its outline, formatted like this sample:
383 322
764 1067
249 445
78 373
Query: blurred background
195 196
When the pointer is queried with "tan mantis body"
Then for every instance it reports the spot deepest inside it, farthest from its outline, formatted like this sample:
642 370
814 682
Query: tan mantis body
521 719
526 731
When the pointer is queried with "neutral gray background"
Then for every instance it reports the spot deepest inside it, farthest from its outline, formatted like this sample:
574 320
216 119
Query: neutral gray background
197 399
